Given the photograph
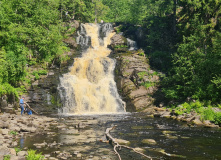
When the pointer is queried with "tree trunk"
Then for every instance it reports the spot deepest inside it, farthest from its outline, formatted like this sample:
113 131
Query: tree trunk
174 17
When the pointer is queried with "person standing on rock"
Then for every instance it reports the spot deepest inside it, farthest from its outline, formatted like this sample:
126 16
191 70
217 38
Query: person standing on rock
21 104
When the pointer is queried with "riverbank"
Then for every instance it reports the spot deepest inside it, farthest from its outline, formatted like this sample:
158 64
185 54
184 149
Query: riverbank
15 126
79 136
191 118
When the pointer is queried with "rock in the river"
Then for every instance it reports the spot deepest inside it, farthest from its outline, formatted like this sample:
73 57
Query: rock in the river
139 150
149 141
122 141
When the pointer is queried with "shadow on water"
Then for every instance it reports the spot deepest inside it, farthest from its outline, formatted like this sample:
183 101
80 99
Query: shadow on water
174 140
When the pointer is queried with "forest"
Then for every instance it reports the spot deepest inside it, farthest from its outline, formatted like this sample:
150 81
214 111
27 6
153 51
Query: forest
181 38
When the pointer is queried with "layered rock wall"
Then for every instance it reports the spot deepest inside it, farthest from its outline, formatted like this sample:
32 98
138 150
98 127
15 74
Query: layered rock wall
135 80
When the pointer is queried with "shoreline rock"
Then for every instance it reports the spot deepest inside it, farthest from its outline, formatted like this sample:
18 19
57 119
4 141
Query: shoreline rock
191 118
13 126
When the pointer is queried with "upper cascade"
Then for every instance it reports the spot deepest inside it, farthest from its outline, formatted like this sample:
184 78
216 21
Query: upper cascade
89 87
131 44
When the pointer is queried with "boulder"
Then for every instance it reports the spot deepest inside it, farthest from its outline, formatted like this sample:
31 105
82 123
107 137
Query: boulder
139 150
149 141
122 141
4 150
22 153
12 151
4 131
14 157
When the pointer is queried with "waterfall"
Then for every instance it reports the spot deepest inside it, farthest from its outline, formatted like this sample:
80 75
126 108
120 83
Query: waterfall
89 87
131 44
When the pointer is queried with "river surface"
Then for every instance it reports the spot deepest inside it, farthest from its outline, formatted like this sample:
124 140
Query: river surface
174 140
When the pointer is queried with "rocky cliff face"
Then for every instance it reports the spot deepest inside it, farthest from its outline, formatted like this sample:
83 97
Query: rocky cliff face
135 80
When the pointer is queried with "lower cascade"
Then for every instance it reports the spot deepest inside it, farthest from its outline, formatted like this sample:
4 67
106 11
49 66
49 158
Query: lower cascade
89 87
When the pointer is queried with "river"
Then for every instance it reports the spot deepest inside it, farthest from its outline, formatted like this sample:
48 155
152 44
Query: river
174 140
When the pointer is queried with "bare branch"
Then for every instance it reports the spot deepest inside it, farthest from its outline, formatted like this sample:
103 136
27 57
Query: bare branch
116 144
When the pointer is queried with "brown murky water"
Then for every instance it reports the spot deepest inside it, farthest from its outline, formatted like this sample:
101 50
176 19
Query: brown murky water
174 140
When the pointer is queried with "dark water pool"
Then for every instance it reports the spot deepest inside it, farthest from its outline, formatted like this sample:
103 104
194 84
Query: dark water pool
174 140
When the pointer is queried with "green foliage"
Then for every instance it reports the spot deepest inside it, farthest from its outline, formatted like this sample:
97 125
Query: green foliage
38 73
121 46
13 133
196 66
141 54
17 149
205 110
42 72
148 84
142 74
217 118
208 114
31 32
6 157
32 155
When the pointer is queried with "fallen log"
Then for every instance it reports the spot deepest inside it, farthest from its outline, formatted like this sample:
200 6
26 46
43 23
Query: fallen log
31 108
116 145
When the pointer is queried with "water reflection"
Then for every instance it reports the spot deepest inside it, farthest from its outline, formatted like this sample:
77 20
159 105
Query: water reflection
174 140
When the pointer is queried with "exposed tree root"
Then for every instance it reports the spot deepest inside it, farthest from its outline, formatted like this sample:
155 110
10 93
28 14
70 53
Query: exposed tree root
116 145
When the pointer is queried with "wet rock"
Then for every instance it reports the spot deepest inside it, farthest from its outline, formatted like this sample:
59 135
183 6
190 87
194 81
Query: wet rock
80 125
22 153
139 150
40 145
149 141
170 136
47 156
166 115
168 132
180 117
76 152
64 155
122 142
79 155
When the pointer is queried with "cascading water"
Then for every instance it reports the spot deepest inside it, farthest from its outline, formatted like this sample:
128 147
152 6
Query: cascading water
89 87
131 44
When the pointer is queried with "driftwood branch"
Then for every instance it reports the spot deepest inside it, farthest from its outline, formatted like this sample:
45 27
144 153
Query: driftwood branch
116 144
31 108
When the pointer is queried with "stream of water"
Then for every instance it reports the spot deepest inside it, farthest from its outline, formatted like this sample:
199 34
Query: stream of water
174 140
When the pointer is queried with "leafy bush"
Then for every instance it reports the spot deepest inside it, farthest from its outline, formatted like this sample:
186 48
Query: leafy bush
32 155
17 149
208 114
148 84
42 72
141 54
6 157
217 118
13 133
